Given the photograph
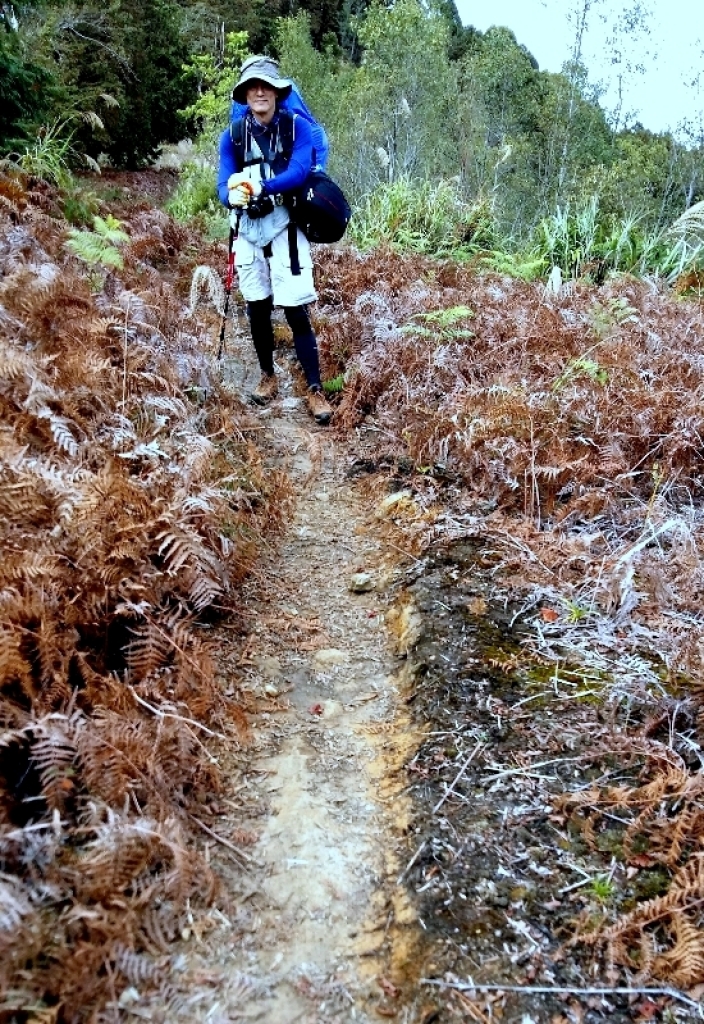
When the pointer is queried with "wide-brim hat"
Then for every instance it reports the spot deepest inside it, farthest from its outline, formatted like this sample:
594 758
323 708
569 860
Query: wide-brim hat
261 69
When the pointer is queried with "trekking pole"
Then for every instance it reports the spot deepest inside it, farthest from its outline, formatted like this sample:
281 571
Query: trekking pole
234 232
235 217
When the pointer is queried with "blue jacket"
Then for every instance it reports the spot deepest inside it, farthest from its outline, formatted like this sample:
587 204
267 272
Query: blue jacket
291 177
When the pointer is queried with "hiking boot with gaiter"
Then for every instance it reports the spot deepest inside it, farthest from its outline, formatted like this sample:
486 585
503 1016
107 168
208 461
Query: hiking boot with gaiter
319 408
266 389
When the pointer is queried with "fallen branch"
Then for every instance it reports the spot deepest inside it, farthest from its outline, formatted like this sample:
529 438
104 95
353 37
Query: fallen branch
672 993
160 713
221 839
411 862
459 775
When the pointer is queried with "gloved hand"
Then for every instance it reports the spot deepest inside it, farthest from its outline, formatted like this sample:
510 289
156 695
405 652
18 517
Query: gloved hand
241 190
239 195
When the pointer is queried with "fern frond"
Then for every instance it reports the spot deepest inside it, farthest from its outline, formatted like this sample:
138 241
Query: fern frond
181 546
204 592
149 651
14 363
139 969
205 282
111 229
683 964
15 908
61 432
54 753
166 404
115 858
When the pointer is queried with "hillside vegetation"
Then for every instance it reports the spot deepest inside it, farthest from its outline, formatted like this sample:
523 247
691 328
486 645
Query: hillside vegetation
133 504
510 157
559 436
515 320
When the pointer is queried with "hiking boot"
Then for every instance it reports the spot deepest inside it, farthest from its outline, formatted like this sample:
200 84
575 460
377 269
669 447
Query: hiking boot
319 408
266 389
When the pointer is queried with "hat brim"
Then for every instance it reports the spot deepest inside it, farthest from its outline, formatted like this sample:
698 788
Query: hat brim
282 86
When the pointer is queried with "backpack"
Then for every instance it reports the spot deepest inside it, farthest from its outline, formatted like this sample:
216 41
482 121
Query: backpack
319 207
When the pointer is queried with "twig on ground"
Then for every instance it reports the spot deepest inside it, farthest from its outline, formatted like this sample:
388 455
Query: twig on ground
411 862
459 775
403 552
666 990
221 839
530 769
179 718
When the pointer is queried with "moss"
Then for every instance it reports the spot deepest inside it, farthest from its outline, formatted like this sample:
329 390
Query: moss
651 883
611 841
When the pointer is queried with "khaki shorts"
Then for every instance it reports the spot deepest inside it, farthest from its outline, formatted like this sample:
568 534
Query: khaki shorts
260 277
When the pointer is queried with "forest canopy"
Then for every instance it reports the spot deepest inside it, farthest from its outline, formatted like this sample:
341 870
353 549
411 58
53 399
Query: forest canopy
116 81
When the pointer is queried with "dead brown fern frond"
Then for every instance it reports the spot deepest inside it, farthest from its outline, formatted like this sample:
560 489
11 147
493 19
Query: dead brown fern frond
683 964
54 754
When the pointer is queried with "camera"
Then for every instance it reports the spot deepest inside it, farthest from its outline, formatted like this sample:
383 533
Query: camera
260 207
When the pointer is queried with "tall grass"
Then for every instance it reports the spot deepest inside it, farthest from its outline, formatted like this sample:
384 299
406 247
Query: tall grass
423 217
195 199
50 155
582 242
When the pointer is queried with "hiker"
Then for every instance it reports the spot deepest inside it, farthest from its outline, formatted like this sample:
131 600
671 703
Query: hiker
272 255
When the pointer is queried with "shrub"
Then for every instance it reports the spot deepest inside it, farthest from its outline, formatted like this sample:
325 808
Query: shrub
422 217
195 197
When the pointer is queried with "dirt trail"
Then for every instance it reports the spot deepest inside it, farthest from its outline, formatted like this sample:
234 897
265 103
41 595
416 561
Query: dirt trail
327 933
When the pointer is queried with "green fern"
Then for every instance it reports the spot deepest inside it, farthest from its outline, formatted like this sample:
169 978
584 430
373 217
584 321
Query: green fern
581 367
99 246
334 385
442 324
525 266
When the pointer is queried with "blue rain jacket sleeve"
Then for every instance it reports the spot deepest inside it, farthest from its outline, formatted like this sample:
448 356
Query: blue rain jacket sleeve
291 178
226 166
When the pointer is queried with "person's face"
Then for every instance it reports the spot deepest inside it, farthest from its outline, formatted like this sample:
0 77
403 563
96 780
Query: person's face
261 100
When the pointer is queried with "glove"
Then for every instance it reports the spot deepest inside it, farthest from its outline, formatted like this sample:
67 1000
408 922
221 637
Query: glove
240 194
241 189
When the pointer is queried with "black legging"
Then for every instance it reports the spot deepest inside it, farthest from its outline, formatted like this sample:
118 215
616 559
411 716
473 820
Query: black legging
303 338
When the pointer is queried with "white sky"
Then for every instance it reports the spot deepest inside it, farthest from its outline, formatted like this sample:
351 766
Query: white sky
661 95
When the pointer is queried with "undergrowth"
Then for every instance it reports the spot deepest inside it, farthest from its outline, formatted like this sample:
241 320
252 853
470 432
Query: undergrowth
564 432
131 508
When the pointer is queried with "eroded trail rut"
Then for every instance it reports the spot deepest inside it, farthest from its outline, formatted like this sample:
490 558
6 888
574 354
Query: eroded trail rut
321 927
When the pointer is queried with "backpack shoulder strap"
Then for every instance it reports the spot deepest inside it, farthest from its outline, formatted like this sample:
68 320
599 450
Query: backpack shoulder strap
287 131
237 134
243 146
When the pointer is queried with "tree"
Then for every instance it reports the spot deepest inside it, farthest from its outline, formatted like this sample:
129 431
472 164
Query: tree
148 32
27 90
406 114
119 72
574 134
499 118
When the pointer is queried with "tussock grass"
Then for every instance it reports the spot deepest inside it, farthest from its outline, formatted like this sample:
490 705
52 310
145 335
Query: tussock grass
423 217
